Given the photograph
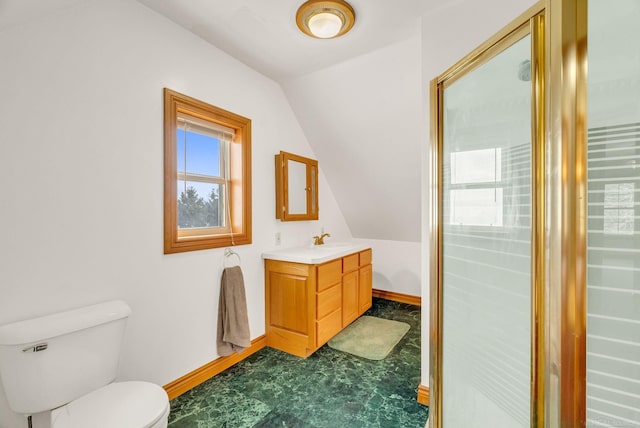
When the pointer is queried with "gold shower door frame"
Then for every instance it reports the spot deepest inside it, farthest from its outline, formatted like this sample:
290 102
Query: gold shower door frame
558 30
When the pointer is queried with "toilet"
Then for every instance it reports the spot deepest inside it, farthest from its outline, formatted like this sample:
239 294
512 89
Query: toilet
65 363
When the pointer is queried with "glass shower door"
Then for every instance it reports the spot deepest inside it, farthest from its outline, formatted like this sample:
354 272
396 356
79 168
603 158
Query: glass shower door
486 208
613 215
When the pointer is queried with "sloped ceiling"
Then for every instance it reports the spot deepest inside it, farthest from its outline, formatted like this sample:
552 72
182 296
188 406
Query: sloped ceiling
362 117
357 97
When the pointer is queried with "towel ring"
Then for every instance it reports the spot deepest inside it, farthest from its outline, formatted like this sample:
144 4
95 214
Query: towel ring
228 252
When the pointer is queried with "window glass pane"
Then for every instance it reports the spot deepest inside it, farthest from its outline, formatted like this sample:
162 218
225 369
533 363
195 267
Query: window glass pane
476 166
202 153
200 205
476 207
618 208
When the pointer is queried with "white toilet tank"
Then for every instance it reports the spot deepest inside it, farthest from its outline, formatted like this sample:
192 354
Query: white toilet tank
49 361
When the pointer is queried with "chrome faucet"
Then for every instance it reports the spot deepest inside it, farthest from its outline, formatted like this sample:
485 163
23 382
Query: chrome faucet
319 240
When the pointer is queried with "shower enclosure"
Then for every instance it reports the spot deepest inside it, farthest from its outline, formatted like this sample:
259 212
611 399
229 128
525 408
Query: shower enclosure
535 223
613 215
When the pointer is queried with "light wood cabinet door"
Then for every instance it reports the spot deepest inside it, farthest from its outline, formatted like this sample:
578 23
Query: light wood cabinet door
290 306
364 288
349 298
286 299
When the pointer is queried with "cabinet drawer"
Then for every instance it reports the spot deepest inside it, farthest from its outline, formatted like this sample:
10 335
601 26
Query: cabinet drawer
365 257
328 327
329 274
350 263
328 301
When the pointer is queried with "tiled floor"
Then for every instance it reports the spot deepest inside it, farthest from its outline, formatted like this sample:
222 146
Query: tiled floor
329 389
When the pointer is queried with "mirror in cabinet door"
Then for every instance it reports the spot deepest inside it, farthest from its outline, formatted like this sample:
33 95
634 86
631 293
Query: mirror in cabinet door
296 187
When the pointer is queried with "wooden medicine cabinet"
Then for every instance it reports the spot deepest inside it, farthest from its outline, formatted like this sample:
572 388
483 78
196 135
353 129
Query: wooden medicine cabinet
296 187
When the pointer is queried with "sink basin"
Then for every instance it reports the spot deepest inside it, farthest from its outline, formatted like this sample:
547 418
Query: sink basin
314 254
331 245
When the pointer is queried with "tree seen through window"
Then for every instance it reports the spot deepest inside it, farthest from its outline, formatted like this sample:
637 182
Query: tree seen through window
194 211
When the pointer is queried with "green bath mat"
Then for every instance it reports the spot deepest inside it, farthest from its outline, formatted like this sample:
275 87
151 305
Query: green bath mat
370 337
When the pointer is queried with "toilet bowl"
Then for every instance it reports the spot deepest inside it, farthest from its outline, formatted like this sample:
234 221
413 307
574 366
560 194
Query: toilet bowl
117 405
65 363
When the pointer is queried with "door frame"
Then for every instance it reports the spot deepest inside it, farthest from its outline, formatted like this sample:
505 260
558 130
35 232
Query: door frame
530 22
559 202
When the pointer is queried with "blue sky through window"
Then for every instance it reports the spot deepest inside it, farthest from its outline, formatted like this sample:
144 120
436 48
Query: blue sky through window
203 154
203 157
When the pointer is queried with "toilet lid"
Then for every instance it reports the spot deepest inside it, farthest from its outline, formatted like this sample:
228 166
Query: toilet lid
117 405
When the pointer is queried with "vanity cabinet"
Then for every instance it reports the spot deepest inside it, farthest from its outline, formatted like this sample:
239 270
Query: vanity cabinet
308 304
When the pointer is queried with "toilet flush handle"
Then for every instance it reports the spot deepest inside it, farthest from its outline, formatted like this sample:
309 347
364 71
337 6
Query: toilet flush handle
36 348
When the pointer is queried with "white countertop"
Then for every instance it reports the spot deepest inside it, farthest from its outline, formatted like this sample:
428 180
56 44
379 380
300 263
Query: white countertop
314 254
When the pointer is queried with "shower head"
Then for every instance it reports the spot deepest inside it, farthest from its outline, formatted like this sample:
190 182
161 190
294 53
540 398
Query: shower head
524 70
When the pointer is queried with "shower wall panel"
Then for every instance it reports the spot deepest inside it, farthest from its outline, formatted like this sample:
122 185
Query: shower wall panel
613 215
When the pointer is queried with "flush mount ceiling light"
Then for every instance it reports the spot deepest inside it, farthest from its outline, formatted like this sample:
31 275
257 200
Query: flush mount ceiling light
325 19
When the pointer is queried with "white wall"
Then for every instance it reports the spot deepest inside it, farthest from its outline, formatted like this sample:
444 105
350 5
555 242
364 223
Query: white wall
362 119
448 34
396 265
81 149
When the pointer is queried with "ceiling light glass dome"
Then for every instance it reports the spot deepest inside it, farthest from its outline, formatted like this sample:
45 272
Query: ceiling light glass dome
325 19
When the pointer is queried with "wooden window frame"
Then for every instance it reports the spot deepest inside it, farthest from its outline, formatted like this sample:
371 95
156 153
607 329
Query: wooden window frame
239 176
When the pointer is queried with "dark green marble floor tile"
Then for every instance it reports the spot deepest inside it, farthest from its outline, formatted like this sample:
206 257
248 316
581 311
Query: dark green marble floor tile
328 389
208 410
277 418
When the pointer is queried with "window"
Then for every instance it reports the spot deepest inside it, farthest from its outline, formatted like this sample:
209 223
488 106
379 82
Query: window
619 209
207 176
476 196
